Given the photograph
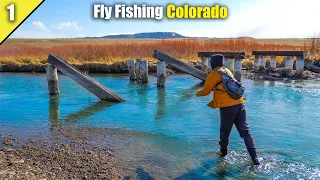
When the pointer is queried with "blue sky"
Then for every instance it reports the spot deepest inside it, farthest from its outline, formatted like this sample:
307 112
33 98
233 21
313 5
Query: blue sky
254 18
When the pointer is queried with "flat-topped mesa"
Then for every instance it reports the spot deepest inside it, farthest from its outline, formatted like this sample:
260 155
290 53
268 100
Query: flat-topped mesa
180 65
261 56
84 80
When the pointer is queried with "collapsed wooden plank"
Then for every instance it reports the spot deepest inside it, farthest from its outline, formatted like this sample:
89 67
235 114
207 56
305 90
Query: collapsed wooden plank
84 80
279 53
239 55
180 65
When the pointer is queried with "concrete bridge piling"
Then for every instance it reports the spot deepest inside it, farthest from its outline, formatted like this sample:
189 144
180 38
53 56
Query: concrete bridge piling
161 73
289 60
232 61
273 62
131 69
52 77
142 71
205 62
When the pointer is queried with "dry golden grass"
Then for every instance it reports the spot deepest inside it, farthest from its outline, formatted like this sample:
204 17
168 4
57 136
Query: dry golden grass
80 51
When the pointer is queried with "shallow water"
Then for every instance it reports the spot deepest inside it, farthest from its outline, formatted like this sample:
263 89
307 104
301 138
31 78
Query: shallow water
168 133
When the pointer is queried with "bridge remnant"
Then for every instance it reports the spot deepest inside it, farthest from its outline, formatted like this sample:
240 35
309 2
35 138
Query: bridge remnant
289 60
232 61
131 69
142 71
84 80
180 65
52 77
161 73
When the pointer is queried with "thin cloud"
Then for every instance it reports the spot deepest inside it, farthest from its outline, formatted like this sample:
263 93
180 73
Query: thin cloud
68 26
39 25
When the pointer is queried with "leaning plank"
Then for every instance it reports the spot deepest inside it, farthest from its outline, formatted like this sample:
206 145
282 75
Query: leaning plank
279 53
84 80
180 65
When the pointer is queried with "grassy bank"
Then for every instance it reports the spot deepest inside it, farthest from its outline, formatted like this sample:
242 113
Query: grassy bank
81 51
109 55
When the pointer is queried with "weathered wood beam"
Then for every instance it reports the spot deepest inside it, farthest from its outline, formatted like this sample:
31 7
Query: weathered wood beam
84 80
161 73
180 65
131 69
231 55
142 71
52 78
279 53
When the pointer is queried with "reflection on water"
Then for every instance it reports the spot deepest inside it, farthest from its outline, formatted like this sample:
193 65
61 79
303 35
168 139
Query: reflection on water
54 111
161 97
168 133
88 111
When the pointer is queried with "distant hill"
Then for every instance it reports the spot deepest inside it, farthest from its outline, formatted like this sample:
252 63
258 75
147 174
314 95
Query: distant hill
148 35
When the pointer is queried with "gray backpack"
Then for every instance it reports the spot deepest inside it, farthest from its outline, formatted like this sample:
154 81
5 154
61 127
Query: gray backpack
231 85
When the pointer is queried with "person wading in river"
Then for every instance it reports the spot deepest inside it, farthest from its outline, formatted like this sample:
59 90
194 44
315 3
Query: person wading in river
232 110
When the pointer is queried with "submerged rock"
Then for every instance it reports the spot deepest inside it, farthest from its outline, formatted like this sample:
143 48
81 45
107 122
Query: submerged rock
8 142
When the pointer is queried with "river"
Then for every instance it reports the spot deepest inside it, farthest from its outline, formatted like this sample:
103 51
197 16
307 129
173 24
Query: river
168 133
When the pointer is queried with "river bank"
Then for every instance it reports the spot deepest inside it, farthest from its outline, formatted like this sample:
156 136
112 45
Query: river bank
57 159
279 74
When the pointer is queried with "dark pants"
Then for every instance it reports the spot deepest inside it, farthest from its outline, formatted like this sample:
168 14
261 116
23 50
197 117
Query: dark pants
234 115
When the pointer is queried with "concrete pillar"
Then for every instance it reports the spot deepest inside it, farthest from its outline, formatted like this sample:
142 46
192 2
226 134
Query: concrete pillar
299 65
262 65
229 63
205 63
273 62
142 71
256 63
289 63
137 64
52 78
131 69
161 73
237 69
209 65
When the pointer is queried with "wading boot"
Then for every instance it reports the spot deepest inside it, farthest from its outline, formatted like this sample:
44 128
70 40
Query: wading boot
254 157
224 152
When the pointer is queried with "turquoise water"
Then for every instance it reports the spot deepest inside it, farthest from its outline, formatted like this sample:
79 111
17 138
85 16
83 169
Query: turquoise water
168 133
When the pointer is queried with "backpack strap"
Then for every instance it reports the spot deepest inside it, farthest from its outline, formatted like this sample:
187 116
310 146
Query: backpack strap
215 87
